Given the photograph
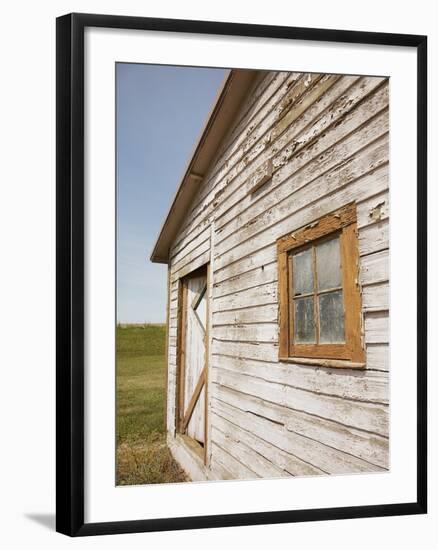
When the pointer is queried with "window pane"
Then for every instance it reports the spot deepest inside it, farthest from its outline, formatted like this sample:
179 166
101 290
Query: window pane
328 264
303 272
331 318
304 325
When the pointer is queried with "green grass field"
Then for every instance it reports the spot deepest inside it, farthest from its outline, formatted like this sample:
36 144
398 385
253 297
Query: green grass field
142 453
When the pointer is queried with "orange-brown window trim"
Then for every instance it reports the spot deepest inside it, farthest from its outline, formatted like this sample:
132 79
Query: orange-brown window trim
344 223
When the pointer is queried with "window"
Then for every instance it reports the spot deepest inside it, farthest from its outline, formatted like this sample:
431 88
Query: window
319 295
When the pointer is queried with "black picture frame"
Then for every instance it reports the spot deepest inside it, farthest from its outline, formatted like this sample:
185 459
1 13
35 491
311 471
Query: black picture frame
70 273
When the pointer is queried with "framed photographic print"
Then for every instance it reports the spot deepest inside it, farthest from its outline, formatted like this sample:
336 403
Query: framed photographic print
241 274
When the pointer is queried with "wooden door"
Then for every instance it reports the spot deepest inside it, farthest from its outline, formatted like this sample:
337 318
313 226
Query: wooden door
194 356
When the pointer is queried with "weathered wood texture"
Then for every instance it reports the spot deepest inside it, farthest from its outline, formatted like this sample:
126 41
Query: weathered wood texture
325 138
193 403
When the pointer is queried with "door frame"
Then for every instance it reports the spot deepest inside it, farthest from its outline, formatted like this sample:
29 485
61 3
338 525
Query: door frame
180 359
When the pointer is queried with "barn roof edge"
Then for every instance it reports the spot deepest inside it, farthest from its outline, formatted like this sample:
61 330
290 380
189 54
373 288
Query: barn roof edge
233 89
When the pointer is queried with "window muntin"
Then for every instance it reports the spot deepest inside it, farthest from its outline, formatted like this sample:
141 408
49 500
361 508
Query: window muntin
319 295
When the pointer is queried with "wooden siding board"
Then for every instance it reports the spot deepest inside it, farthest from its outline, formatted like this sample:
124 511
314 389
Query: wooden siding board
234 180
377 327
230 439
221 169
351 384
293 154
261 249
299 172
266 293
369 447
378 357
328 141
189 245
374 209
263 332
313 452
374 268
237 309
377 354
272 224
224 459
362 415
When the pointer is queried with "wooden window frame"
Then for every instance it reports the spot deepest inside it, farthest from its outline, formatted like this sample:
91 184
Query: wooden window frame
351 354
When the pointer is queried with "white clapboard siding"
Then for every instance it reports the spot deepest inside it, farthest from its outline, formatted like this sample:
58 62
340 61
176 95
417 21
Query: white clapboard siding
312 207
362 415
256 295
190 257
377 327
370 243
378 357
240 307
291 176
284 463
374 268
297 137
173 322
229 463
263 332
370 447
189 245
327 139
374 209
330 110
273 224
295 155
261 257
267 313
315 453
246 350
265 92
227 439
219 172
374 237
264 274
224 201
247 127
375 297
300 189
173 295
251 136
354 384
377 354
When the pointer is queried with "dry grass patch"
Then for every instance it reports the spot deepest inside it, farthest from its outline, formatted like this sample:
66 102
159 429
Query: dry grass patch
147 462
142 454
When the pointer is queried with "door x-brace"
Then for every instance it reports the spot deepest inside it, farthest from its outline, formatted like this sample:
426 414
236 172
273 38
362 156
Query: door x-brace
193 400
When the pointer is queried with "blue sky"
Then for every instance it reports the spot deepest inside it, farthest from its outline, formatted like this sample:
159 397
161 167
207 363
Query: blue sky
160 113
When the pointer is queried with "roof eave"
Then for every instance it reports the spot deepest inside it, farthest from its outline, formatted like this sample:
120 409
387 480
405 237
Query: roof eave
230 95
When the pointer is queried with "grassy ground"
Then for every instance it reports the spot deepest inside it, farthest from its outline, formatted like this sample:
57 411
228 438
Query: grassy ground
142 454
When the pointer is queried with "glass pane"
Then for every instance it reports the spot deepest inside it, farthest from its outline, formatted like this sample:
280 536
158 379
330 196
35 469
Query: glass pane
304 325
303 272
328 264
331 318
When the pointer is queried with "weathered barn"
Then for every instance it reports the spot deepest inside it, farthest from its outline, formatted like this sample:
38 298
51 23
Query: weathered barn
278 273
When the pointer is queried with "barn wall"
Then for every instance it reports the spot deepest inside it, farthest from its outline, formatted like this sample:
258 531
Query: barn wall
327 137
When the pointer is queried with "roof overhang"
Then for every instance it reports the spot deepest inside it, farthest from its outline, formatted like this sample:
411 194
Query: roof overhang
230 95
